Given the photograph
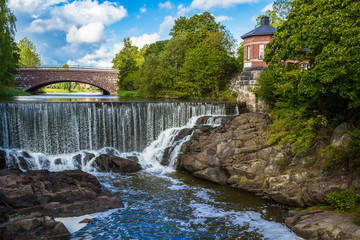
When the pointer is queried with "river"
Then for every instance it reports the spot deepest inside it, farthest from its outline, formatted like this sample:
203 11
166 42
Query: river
60 132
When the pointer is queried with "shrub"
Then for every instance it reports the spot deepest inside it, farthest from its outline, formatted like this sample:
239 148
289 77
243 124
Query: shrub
342 200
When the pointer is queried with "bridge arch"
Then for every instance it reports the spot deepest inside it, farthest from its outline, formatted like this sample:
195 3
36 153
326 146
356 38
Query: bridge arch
32 79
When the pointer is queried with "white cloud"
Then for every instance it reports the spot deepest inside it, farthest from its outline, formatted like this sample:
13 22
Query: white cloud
103 56
182 10
205 5
167 5
90 33
143 10
222 18
86 11
166 24
32 6
43 25
268 7
145 39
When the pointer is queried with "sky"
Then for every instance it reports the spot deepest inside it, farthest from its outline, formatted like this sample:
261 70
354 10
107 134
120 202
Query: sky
91 32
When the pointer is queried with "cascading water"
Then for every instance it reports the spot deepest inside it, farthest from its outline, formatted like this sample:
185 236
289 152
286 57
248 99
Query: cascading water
59 128
159 204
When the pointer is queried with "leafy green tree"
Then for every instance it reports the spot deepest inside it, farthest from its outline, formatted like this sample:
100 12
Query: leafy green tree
28 54
127 62
65 66
8 50
313 78
279 12
207 68
240 57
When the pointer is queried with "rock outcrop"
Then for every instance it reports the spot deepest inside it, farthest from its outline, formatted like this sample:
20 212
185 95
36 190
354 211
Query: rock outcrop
323 225
237 154
117 164
29 201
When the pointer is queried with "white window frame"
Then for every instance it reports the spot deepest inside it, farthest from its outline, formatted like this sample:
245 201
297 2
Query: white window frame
261 51
248 52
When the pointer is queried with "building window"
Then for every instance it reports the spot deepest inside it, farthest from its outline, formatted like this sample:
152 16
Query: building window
261 51
248 52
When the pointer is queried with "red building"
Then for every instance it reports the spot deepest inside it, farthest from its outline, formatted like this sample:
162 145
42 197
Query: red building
255 43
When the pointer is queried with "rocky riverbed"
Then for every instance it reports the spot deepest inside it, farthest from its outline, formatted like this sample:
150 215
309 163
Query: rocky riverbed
237 154
29 201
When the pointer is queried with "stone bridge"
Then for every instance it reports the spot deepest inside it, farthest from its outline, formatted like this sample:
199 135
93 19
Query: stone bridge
31 79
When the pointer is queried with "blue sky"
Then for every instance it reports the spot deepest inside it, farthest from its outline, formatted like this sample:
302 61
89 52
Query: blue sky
90 32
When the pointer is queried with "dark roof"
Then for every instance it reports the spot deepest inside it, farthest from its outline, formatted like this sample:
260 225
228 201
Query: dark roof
264 29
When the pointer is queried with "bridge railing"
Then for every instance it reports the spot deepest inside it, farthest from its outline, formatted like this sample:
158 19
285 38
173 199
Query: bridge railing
74 67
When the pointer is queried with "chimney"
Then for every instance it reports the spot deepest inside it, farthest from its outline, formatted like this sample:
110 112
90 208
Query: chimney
265 21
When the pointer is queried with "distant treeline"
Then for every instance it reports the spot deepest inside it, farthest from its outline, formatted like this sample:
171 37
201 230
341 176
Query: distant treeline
198 61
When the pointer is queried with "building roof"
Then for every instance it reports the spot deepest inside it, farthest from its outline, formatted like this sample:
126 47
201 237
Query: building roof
264 29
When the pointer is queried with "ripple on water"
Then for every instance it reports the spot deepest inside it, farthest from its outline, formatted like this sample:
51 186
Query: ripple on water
174 206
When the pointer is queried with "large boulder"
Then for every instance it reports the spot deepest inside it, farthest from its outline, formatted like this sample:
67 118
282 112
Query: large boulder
323 225
117 164
32 195
34 226
238 154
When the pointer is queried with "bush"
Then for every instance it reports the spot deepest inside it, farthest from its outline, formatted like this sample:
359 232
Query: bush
342 200
346 157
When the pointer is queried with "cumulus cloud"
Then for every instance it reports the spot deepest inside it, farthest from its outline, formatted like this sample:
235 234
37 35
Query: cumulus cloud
87 11
83 21
268 7
103 56
32 6
166 24
205 5
44 25
145 39
90 33
167 5
182 10
222 18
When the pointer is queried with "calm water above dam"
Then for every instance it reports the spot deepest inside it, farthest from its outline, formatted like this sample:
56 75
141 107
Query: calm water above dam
160 203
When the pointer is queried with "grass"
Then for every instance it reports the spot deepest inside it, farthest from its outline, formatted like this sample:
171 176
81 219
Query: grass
6 91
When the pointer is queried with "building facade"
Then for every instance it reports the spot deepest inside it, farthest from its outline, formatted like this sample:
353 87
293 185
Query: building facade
255 43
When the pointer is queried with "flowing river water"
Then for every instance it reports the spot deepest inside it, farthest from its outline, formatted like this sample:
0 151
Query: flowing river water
160 202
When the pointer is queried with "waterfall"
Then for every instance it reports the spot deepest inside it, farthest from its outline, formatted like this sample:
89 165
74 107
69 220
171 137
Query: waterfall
54 128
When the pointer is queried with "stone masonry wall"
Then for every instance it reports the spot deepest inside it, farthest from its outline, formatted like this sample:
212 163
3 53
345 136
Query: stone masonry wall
33 79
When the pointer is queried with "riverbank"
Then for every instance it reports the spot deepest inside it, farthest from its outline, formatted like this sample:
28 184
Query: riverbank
237 155
6 91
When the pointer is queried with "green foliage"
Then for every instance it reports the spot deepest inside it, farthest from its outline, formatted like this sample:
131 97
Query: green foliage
8 49
196 62
280 10
240 57
6 91
342 200
344 158
28 55
327 91
128 62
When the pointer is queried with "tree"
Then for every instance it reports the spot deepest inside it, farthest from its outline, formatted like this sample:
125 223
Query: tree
8 50
313 78
28 54
127 62
279 12
240 56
